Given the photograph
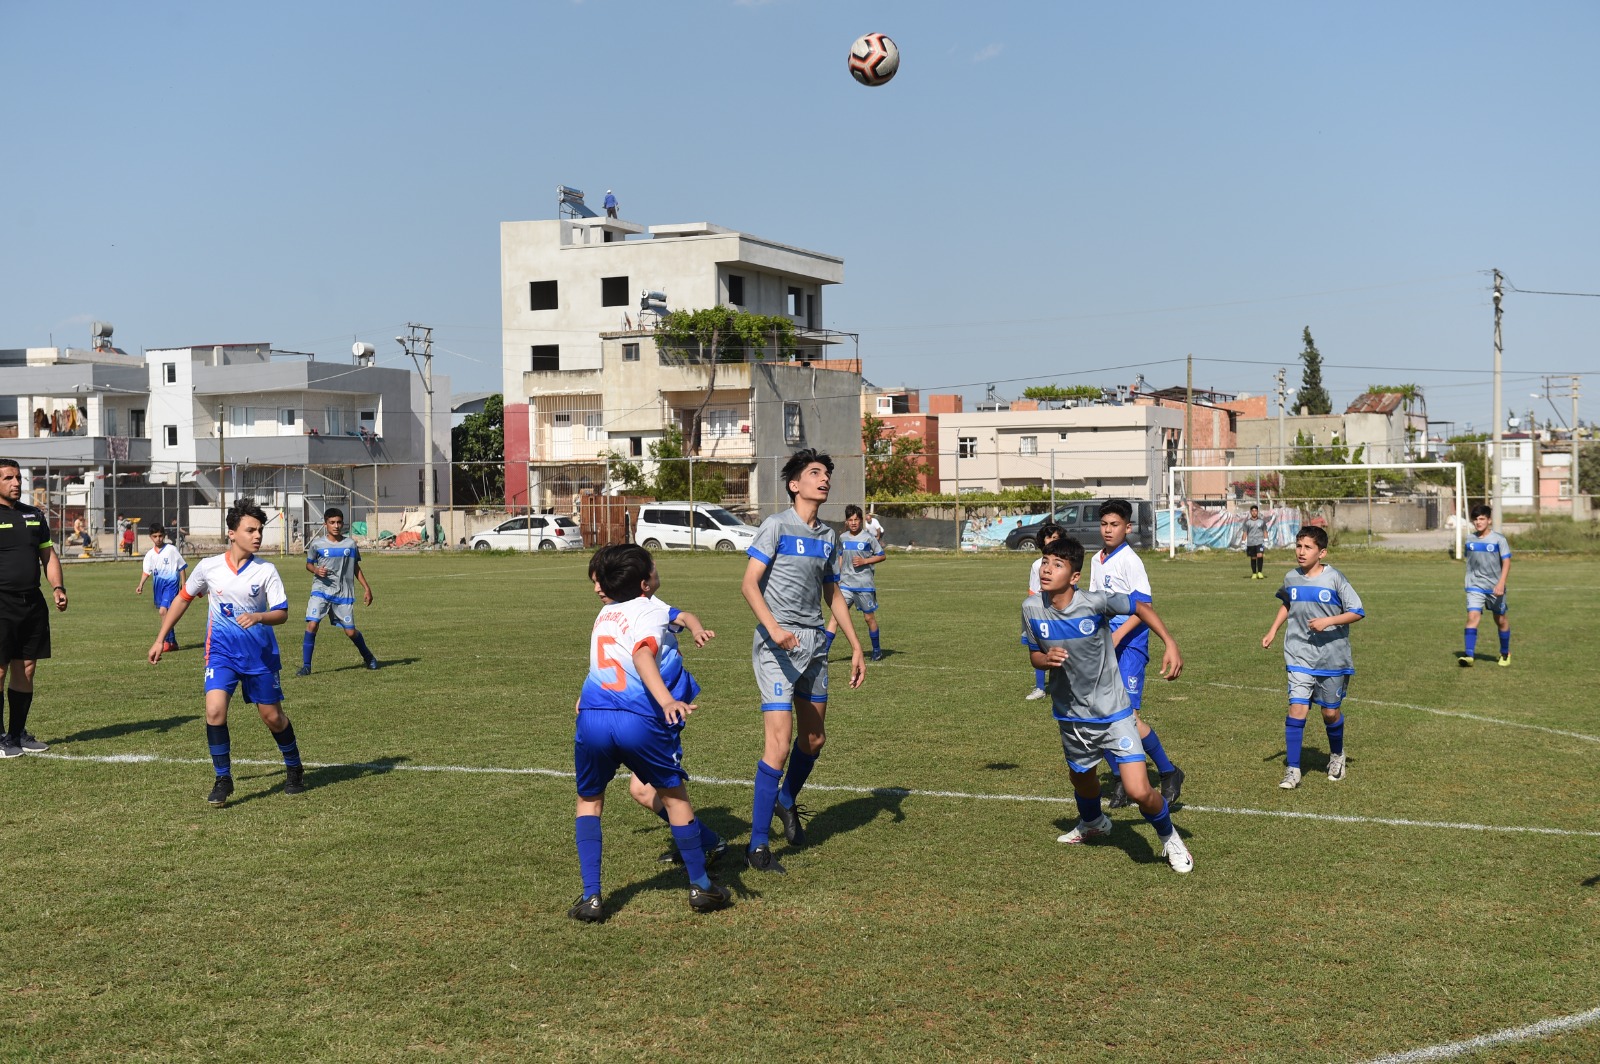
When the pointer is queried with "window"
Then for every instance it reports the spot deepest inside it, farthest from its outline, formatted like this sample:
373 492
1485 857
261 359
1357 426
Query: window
635 446
704 522
544 356
630 352
1511 450
649 517
138 423
720 423
794 302
286 418
1061 435
172 372
613 291
735 289
542 295
593 427
791 423
1513 486
967 446
1028 445
171 434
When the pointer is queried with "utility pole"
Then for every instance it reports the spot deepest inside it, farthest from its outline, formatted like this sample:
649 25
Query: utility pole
1283 399
222 472
1188 430
418 343
1492 467
1552 393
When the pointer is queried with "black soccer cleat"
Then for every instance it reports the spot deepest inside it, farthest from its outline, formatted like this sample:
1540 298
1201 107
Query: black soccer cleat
709 901
1119 797
221 791
372 663
295 780
1172 784
588 910
304 670
761 860
713 855
794 832
877 655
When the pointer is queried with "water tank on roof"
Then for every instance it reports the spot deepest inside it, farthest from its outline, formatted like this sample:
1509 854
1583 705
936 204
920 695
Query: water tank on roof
100 330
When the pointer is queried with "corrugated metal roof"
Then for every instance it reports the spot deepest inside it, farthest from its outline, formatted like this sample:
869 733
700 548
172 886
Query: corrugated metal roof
1376 403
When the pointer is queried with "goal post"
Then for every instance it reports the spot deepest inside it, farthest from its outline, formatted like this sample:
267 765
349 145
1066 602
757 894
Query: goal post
1459 509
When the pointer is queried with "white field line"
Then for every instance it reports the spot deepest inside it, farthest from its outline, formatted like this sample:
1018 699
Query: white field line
1447 1050
887 792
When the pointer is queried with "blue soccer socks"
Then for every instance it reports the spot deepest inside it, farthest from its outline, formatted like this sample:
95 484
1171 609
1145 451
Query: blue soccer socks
1294 735
1038 679
361 645
1505 643
1157 753
1472 641
1336 735
709 840
287 745
307 646
767 779
827 641
800 766
1088 809
1162 821
587 831
221 746
688 840
873 634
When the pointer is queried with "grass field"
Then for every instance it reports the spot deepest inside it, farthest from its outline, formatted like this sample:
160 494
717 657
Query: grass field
412 904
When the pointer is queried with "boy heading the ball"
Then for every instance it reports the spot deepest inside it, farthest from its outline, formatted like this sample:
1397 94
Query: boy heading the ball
247 600
1488 568
1068 633
792 574
1320 606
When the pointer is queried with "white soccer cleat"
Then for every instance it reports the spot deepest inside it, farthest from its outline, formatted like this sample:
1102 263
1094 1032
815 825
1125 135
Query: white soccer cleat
1177 855
1335 768
1086 830
1291 780
1035 694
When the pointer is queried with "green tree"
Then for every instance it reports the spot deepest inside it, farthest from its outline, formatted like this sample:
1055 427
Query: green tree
894 463
478 446
1054 393
671 473
1311 395
721 334
1474 466
1318 486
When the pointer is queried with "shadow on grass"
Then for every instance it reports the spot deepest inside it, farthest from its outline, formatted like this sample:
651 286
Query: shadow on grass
116 731
1592 881
1311 760
383 663
1001 766
853 814
321 776
1127 837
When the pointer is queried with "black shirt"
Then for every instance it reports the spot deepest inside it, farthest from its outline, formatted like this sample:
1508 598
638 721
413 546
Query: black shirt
24 530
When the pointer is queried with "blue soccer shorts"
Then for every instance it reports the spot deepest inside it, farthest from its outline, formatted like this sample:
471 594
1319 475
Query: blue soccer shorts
260 688
164 595
1479 600
784 675
1131 662
1324 691
608 738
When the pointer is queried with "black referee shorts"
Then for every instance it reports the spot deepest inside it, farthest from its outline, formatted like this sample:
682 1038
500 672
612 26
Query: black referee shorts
24 626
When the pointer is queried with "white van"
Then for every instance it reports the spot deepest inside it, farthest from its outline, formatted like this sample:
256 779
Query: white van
682 525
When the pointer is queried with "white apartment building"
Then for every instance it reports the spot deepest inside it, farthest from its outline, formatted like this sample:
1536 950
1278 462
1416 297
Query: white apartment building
583 377
1106 449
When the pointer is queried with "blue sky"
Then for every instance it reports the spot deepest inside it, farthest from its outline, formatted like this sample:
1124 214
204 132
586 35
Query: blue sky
1062 192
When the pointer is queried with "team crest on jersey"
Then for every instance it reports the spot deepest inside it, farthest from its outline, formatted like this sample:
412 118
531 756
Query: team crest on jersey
1324 595
255 589
1124 743
1086 626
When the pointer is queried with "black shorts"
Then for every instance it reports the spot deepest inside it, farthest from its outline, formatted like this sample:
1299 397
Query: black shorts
1254 552
24 626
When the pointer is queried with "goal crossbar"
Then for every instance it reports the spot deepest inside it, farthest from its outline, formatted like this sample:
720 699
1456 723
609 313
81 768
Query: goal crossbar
1172 489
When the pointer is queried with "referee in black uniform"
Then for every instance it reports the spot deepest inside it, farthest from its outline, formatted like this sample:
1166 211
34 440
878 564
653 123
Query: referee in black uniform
25 546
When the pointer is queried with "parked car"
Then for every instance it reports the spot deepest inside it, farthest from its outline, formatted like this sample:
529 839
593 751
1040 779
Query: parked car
1081 520
683 525
533 532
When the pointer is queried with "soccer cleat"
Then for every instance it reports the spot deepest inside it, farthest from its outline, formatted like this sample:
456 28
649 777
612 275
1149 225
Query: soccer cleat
587 909
1035 694
1172 784
1291 780
1464 660
1335 768
713 855
304 670
1177 855
1119 797
1086 830
221 791
877 655
9 748
30 745
372 663
794 832
294 780
761 860
709 901
1505 661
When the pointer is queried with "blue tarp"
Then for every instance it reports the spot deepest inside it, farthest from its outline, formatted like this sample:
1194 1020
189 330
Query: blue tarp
1222 530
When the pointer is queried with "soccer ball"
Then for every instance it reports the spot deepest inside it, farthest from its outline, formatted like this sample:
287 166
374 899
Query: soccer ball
873 59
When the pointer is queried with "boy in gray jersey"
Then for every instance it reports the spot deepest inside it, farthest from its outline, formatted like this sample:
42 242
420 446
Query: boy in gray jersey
1255 542
860 551
1068 633
1488 566
334 562
793 571
1320 605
